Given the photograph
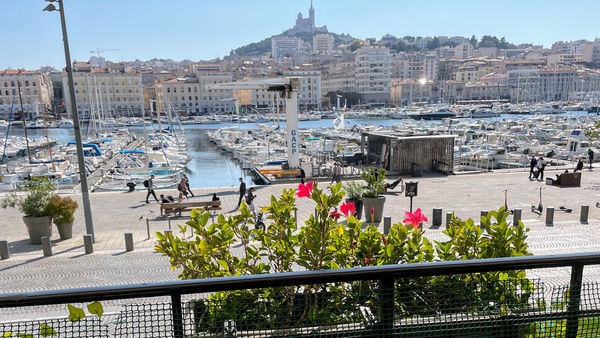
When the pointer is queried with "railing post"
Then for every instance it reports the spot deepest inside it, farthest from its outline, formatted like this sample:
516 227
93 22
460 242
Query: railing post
386 310
177 314
574 301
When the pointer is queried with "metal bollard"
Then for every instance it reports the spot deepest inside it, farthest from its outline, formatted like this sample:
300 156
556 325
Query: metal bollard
4 254
128 241
448 219
169 223
549 216
387 224
46 246
88 245
148 227
484 213
516 216
437 217
585 212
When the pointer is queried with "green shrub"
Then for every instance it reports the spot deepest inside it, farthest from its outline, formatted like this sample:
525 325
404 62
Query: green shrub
36 201
375 181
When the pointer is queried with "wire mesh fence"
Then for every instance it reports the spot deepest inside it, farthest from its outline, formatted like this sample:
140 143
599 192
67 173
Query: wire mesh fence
449 306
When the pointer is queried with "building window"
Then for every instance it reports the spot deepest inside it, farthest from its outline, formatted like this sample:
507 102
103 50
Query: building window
12 83
189 89
168 90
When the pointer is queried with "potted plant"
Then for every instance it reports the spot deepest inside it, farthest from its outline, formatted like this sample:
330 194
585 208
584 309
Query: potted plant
354 193
34 206
62 210
372 200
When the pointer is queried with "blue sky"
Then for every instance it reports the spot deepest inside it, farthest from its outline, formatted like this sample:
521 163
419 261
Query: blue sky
202 29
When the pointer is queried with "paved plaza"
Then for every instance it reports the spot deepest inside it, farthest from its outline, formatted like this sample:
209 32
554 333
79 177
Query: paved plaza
116 213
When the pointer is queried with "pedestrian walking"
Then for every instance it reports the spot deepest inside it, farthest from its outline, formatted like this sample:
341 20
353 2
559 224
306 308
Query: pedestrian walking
250 199
302 175
532 165
187 184
591 157
150 187
183 187
337 171
242 191
541 165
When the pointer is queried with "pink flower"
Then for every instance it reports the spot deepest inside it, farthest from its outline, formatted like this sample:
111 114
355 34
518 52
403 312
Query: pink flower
384 240
367 260
305 190
334 214
415 218
348 209
372 211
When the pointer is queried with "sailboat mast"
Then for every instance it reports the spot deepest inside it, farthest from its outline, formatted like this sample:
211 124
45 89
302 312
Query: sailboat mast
24 122
48 141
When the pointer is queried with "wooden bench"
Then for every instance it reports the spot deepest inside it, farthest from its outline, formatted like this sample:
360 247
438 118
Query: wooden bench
568 180
167 208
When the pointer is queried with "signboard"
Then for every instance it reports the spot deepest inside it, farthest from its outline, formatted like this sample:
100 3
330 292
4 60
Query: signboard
411 189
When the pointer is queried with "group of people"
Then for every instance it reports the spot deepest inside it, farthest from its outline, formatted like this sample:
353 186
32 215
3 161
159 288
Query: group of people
246 194
536 168
183 187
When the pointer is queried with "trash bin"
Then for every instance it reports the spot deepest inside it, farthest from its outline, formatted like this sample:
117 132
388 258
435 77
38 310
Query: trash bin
131 186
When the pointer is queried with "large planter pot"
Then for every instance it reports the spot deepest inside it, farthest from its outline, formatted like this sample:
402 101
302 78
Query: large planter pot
377 204
358 205
38 227
65 230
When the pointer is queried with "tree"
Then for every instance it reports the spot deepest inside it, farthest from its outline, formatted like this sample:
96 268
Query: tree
433 44
356 44
473 41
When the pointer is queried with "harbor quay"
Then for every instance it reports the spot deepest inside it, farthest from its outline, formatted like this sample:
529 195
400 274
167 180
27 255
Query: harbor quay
115 213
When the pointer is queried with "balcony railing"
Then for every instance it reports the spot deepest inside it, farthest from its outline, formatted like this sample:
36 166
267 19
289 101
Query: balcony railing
392 300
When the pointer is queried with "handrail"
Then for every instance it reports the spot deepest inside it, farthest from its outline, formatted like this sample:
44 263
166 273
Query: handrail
180 287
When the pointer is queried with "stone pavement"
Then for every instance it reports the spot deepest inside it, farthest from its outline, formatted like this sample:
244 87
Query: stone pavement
116 213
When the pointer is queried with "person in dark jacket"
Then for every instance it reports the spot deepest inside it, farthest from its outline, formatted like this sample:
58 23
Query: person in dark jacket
250 199
187 184
579 166
591 157
151 189
242 191
532 165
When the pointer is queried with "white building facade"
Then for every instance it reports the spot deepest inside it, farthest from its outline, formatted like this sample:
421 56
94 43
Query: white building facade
373 74
35 92
100 92
322 44
283 46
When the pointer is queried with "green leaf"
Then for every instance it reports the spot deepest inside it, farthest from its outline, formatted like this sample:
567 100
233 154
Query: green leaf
24 335
75 313
7 335
503 276
223 264
46 330
96 308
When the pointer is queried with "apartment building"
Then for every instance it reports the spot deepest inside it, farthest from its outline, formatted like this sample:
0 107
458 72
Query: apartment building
322 44
554 59
463 50
309 92
590 52
373 74
36 92
192 94
340 77
98 91
284 46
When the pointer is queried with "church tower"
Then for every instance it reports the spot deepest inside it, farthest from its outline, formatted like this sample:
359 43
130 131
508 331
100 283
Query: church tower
311 15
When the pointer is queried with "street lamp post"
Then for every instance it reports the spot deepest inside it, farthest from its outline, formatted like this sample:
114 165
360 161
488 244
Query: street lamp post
89 226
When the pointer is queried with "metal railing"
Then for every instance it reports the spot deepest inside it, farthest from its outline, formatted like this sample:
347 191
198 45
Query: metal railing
388 280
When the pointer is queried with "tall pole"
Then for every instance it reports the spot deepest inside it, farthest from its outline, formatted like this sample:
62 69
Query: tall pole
87 210
24 122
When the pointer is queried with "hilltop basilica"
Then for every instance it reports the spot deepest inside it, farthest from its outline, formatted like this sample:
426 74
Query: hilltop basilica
307 25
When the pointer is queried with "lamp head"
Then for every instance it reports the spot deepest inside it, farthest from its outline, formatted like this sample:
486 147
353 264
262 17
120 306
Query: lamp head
50 8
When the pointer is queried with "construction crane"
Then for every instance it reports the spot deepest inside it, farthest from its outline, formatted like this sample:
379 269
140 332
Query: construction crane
98 51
